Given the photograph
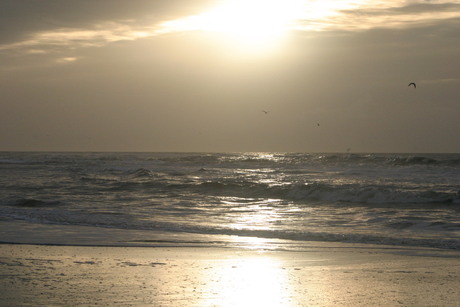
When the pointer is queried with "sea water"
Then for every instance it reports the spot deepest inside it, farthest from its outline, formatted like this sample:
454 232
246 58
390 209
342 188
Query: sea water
270 200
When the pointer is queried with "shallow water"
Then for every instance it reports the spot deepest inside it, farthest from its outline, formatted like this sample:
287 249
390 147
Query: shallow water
362 198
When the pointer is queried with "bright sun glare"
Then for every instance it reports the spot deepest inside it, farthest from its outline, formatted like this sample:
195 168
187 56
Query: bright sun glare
252 24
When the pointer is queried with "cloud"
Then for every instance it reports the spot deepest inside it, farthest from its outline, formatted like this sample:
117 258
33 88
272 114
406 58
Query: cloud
365 15
52 27
27 24
422 8
70 38
65 60
441 81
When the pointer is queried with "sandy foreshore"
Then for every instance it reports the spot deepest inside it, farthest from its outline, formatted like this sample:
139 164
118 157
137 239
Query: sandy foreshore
324 275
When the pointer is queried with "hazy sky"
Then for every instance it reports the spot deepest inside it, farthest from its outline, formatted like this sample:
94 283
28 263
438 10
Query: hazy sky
181 75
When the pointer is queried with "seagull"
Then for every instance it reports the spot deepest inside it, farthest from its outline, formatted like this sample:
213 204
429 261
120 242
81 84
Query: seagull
412 83
266 112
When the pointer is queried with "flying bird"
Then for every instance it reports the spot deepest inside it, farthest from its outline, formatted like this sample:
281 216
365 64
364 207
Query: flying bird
266 112
412 83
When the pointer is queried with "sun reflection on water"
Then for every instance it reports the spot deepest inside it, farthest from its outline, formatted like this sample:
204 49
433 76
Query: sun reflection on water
257 216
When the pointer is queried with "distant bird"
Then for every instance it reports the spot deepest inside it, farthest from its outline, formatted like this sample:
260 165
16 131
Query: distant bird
412 83
266 112
317 124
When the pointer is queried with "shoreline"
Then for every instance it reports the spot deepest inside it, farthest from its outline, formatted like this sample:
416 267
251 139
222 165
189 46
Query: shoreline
325 274
26 232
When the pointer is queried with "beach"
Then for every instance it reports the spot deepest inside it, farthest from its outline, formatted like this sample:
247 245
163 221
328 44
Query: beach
325 274
229 229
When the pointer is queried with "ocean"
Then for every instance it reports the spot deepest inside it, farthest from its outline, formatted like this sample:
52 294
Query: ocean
253 200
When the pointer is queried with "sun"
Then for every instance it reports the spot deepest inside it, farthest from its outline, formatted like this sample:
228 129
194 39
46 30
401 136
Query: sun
250 24
252 21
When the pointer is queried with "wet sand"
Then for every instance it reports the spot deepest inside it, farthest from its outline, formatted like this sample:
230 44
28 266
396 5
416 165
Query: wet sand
323 275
